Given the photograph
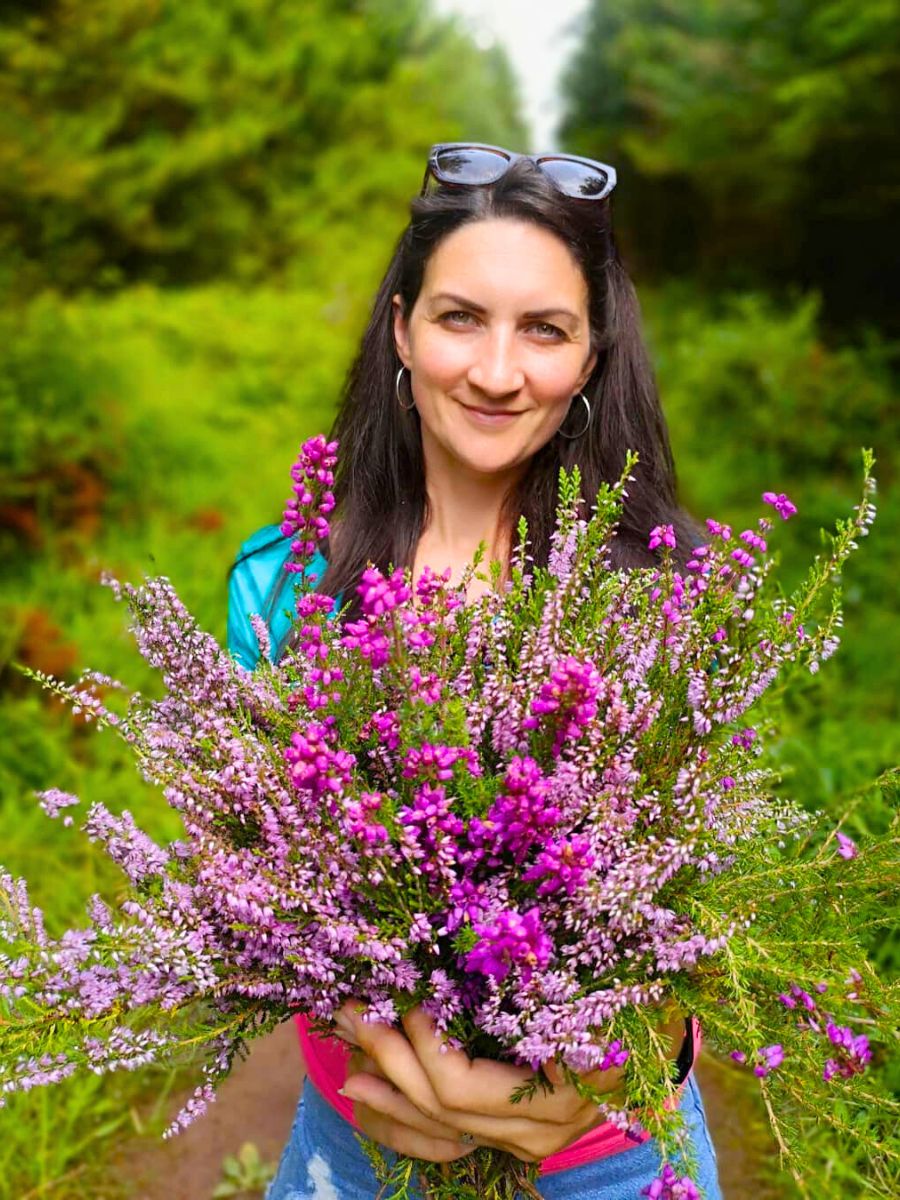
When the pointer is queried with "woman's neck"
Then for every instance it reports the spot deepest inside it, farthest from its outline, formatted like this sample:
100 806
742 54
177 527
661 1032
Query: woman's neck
463 511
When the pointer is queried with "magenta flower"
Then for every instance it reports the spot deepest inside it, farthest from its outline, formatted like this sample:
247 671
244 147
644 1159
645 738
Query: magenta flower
853 1053
669 1186
512 940
563 863
782 505
305 515
770 1057
662 535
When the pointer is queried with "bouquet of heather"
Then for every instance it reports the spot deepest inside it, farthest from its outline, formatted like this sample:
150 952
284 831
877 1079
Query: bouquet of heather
541 816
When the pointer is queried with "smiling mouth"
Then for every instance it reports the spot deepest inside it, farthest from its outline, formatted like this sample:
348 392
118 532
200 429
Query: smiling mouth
487 412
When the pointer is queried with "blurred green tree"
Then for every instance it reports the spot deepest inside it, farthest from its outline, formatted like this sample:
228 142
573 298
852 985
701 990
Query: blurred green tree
155 141
756 141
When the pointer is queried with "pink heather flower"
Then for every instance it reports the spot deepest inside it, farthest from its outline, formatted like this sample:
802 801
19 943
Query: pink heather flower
519 815
718 530
314 765
782 505
754 540
572 691
436 762
669 1186
379 594
853 1053
662 535
770 1058
367 639
846 846
562 863
728 783
739 1056
615 1056
513 939
744 738
305 515
720 635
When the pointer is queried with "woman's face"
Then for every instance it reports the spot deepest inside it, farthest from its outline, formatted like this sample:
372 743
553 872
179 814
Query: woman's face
497 344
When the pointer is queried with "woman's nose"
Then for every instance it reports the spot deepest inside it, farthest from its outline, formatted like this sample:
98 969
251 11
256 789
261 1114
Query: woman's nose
495 368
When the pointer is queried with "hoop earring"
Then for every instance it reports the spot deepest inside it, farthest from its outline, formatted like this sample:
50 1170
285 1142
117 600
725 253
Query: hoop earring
405 407
572 436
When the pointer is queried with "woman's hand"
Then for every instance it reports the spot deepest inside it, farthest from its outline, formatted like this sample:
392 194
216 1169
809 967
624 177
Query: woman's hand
418 1100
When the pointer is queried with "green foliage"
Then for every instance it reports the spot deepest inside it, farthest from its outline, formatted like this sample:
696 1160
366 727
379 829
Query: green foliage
756 400
754 140
144 140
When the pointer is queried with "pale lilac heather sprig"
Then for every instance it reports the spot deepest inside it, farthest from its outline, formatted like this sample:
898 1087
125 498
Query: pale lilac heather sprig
305 517
53 801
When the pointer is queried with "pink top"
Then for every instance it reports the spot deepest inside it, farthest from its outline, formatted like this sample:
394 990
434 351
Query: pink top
326 1065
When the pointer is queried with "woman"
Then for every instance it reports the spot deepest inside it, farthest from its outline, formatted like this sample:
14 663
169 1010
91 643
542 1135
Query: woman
504 343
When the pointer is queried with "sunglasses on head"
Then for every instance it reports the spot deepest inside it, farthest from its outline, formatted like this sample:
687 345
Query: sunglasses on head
471 164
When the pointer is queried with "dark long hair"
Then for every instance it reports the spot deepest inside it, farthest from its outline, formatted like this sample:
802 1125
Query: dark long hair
381 501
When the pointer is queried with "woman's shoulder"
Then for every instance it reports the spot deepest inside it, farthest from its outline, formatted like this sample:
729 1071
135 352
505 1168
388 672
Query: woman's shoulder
262 556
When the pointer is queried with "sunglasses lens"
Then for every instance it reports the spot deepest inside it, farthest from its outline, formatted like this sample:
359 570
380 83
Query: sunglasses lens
469 164
578 179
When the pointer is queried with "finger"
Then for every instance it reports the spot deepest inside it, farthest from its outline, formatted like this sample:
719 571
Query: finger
398 1062
383 1097
455 1078
408 1141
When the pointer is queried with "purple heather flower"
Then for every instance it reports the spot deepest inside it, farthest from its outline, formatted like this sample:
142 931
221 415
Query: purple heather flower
305 515
770 1058
846 846
718 530
853 1053
380 594
669 1186
662 535
563 863
511 940
782 505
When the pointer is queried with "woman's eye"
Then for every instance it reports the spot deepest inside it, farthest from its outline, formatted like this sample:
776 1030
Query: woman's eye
546 330
456 317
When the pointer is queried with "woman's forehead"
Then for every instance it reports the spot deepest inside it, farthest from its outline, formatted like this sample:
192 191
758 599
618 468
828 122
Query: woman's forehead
506 261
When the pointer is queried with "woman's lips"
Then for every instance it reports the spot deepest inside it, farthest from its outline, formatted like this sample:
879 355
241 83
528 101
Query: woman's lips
490 420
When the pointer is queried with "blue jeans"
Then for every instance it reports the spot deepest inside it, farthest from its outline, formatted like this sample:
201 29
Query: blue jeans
323 1160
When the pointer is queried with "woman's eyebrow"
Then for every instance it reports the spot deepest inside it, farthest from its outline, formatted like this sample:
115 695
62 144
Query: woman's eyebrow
534 315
